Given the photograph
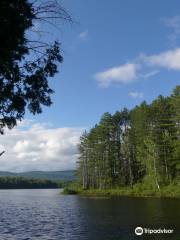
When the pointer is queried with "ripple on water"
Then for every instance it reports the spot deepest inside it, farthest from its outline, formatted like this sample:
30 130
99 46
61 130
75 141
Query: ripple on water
47 215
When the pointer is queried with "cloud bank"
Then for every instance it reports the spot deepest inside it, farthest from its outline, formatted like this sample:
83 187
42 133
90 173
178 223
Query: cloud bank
34 146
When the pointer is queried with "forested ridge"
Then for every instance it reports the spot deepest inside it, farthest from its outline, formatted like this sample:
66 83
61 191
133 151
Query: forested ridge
141 145
63 176
27 183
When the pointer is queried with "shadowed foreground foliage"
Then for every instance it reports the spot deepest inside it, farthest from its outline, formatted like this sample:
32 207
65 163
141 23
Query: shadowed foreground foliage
26 60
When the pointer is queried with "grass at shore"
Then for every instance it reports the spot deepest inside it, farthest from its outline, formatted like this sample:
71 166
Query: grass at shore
137 190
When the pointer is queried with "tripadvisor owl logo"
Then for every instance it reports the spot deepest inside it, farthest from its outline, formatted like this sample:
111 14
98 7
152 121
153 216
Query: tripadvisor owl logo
138 230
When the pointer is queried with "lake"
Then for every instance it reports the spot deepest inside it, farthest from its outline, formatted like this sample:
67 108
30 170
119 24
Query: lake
46 215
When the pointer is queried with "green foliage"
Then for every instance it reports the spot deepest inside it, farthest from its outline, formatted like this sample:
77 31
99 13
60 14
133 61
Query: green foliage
72 187
138 150
138 190
70 191
26 64
22 183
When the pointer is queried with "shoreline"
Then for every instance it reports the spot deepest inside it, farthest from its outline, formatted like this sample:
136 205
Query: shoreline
165 192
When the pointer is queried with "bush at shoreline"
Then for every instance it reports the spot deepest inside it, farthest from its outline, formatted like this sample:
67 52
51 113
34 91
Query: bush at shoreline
137 190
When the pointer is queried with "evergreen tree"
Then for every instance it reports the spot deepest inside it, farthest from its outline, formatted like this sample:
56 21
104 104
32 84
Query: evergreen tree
141 145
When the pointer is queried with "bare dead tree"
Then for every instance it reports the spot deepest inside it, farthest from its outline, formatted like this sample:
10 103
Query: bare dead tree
46 12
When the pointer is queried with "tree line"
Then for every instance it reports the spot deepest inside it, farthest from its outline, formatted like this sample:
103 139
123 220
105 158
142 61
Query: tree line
133 146
27 183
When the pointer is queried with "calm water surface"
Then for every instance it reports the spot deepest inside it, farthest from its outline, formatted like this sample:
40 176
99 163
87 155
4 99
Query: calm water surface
47 215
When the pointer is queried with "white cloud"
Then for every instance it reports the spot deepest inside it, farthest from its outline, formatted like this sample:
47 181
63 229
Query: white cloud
136 95
38 147
169 59
174 24
121 74
83 35
142 67
150 74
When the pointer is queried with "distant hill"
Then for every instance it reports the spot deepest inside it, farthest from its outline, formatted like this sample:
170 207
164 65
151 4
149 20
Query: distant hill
50 175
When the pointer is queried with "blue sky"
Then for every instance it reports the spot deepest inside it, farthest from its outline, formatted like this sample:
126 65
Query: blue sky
108 34
116 54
